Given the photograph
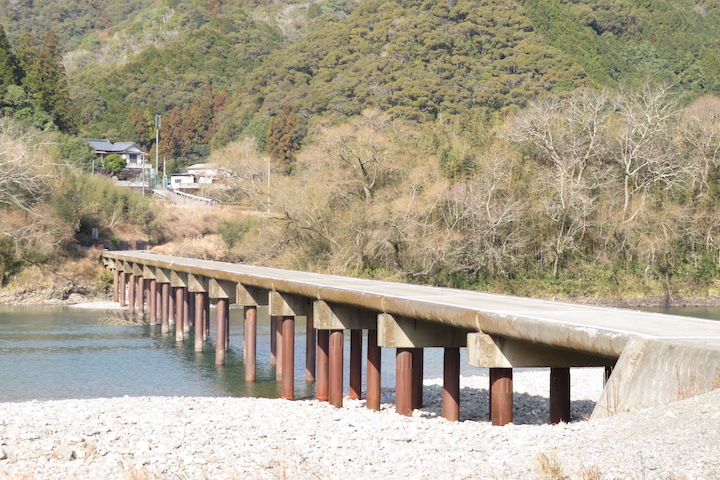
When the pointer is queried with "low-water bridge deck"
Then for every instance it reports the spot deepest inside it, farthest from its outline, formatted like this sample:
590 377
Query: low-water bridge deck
650 358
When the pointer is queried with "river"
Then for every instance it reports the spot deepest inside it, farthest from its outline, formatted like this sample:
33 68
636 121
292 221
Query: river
50 353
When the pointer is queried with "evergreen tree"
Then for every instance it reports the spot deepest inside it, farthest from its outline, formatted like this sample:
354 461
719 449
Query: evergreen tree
44 79
282 137
56 94
8 65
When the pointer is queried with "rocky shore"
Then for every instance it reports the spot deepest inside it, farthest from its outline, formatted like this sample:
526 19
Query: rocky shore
243 438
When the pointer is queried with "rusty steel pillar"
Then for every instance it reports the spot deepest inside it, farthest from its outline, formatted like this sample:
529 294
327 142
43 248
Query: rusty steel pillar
250 343
131 294
116 285
179 314
287 390
152 301
404 381
323 364
121 288
310 349
206 318
559 395
165 307
273 346
335 368
501 396
199 323
451 384
171 306
141 295
278 349
374 361
222 313
355 364
158 302
186 311
418 361
227 328
191 308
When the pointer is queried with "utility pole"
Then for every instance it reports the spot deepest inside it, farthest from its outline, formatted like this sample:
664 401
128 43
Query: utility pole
268 184
158 121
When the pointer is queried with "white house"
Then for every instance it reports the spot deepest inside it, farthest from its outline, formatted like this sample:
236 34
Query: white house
134 156
203 172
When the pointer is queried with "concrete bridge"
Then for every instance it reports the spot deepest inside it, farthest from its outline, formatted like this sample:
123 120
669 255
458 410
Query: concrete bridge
649 358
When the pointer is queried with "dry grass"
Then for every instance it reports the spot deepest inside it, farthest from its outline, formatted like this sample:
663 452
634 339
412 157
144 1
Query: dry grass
205 247
547 467
590 473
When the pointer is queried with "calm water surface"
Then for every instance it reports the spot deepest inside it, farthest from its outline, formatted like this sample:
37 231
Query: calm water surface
60 352
52 353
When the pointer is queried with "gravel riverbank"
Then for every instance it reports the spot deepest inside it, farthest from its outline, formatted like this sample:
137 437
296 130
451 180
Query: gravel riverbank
244 438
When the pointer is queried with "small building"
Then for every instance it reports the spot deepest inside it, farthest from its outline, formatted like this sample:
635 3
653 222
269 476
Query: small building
180 181
204 172
134 156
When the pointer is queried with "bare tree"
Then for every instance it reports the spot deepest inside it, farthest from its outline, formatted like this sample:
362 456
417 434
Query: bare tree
25 168
642 144
700 137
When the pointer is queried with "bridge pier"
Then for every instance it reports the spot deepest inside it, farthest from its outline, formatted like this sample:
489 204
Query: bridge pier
559 394
323 365
250 297
501 354
141 296
410 336
286 308
288 355
131 294
403 381
187 312
374 369
121 287
116 285
310 348
335 368
355 364
199 321
222 313
501 396
250 340
336 318
273 344
179 314
165 307
451 383
278 349
153 302
418 368
224 292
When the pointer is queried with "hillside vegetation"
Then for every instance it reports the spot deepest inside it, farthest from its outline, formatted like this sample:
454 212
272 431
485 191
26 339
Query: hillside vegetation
535 147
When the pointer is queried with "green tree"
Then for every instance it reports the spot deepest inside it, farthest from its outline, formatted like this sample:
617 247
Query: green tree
114 163
8 65
282 138
77 151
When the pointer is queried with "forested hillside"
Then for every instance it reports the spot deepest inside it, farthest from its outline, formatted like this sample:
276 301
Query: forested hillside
218 69
532 146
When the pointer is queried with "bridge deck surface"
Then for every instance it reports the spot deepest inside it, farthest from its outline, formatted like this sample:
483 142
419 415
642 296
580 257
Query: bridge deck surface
598 330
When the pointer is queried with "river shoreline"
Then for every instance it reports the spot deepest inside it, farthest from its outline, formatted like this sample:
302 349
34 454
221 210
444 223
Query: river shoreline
78 292
148 438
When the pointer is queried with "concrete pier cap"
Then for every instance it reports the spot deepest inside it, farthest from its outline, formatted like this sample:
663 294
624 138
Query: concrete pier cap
333 316
493 351
402 332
